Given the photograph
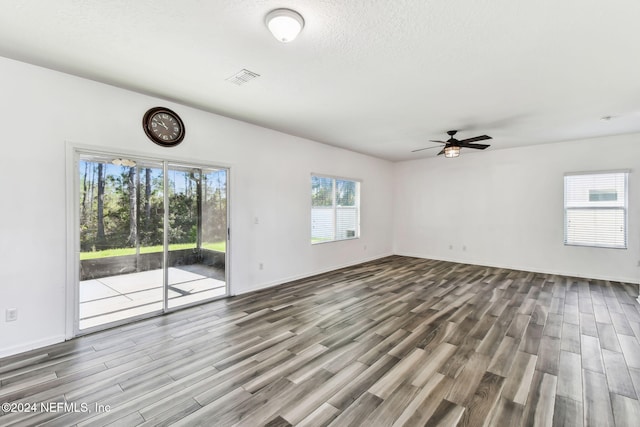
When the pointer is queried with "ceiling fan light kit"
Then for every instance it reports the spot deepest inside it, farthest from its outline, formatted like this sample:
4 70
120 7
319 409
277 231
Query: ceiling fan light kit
284 24
451 151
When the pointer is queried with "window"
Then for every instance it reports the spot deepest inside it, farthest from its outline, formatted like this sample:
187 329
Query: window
595 209
335 209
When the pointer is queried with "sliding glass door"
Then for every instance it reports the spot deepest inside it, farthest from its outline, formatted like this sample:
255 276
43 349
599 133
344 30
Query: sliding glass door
197 234
153 237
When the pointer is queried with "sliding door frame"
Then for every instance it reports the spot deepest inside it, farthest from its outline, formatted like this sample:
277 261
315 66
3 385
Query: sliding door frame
72 298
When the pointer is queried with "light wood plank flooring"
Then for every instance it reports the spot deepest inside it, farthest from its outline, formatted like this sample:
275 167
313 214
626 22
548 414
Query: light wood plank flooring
399 341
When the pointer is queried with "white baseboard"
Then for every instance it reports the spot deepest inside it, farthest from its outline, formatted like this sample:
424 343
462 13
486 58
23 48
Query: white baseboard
5 352
525 268
306 275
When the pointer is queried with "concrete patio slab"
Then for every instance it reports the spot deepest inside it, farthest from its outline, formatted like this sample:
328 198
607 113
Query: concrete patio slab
114 298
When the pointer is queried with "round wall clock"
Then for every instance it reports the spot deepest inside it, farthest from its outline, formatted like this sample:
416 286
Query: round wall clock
163 126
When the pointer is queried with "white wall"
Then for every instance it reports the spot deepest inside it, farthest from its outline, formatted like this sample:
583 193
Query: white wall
270 179
506 208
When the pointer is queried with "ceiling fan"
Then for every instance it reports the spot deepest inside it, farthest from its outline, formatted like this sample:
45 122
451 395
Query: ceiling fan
452 146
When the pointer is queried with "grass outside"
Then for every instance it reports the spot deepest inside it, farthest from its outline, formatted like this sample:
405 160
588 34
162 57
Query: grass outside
217 246
315 240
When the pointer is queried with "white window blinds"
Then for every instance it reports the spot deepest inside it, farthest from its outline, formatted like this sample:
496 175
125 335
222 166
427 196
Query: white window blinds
595 207
335 209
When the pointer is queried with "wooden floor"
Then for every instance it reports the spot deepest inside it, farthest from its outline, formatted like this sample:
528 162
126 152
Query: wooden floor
398 341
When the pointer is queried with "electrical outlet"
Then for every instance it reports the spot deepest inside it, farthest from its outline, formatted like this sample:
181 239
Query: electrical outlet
450 247
464 248
11 314
260 266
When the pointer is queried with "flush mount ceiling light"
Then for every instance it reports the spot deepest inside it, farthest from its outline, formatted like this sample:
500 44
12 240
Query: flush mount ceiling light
451 151
284 24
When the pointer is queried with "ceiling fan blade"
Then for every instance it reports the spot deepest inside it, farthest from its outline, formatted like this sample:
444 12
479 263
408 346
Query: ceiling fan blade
441 142
426 148
441 152
475 138
478 146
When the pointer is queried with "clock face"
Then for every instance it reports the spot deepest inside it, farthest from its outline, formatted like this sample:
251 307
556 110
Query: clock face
163 127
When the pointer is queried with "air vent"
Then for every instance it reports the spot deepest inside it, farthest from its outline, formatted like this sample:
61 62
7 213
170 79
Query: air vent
242 77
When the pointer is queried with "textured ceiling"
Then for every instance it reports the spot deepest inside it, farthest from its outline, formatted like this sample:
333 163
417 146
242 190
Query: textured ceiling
377 77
